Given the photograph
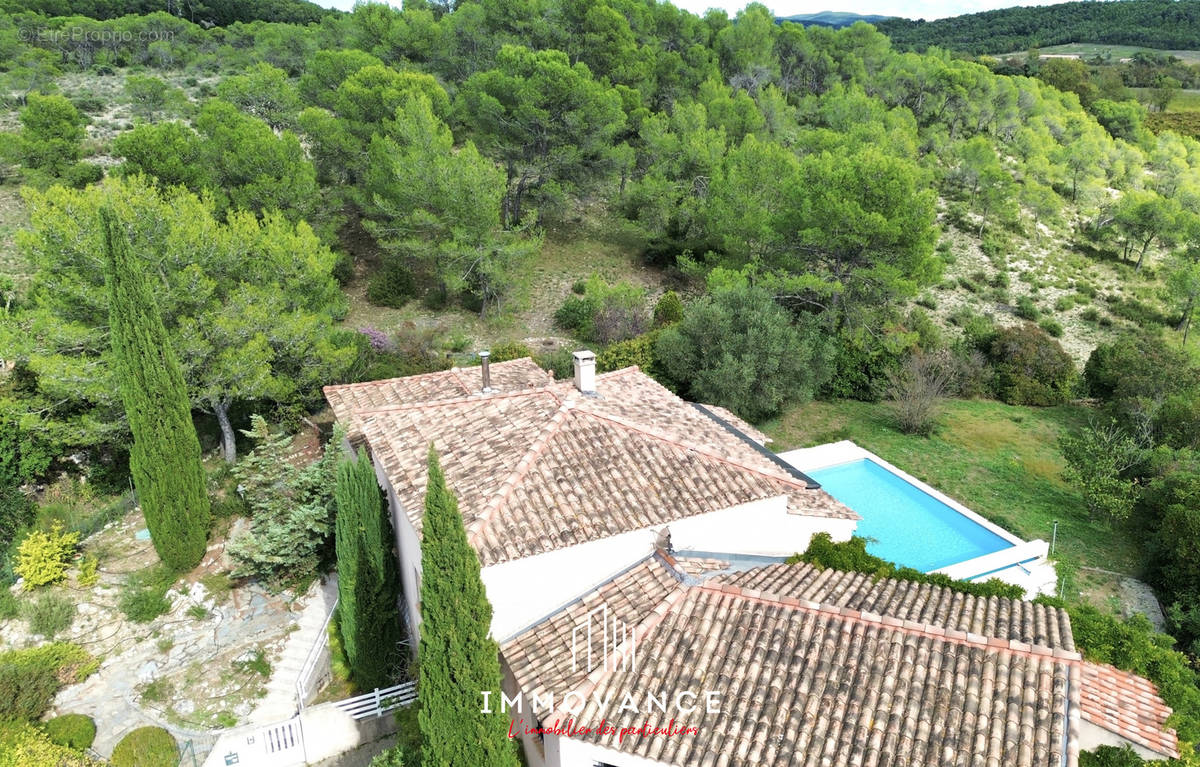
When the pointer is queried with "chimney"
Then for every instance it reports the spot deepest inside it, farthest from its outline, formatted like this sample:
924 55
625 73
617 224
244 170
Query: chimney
484 357
585 371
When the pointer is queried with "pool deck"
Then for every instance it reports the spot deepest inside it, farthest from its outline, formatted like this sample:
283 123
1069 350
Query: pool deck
1023 563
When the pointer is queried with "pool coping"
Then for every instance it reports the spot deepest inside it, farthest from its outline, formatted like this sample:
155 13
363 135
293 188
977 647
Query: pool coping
836 453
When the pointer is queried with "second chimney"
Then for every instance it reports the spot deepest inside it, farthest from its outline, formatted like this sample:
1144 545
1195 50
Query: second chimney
484 359
585 371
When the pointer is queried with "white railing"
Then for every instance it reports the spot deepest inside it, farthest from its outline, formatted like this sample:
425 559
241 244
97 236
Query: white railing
379 701
316 671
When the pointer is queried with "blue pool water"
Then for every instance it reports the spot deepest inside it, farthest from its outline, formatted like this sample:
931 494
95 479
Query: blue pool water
909 526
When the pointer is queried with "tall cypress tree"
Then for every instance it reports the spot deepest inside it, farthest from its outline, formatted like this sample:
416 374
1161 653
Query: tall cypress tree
368 578
458 659
165 456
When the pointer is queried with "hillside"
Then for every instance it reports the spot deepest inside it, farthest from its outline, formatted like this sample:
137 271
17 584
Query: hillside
1168 24
833 19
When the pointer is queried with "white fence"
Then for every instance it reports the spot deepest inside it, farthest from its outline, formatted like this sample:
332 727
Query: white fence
316 672
379 702
336 727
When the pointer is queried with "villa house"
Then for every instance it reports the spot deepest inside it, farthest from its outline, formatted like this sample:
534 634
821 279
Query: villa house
626 539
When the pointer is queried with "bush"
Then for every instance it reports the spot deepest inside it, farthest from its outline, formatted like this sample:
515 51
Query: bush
559 362
514 350
852 556
16 511
739 349
604 313
1110 756
1052 326
146 747
76 731
81 174
1090 314
29 679
1031 367
23 745
87 571
917 391
392 284
1027 309
633 351
9 606
50 615
668 310
144 596
43 557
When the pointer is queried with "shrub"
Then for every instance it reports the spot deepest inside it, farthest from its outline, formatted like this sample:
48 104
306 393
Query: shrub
29 679
929 302
917 391
88 575
1031 367
144 596
513 350
43 557
632 351
16 510
604 313
81 174
1110 756
852 556
668 310
392 284
1090 314
50 615
146 747
23 745
76 731
739 349
1063 303
1027 309
9 606
559 362
1052 326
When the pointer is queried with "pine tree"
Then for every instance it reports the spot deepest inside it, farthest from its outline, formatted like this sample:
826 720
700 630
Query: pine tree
458 660
368 579
165 456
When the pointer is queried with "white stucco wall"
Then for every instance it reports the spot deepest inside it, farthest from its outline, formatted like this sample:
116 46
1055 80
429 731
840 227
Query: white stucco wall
526 590
408 546
1092 736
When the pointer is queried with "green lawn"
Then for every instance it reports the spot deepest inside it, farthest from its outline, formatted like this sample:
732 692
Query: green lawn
1001 461
1115 52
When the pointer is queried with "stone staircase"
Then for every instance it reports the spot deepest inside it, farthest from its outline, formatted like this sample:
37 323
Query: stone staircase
280 701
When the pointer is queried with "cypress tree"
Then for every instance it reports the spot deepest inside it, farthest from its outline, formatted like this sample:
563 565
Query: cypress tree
368 578
165 455
458 659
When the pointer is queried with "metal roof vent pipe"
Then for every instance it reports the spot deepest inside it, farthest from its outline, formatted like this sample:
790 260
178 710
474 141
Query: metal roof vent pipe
484 361
585 371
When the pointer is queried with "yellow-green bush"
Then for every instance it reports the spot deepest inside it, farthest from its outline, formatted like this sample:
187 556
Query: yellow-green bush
87 571
23 745
43 557
146 747
30 678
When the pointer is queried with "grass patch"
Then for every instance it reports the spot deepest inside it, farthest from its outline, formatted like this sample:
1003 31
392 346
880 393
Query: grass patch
999 460
50 615
218 585
144 596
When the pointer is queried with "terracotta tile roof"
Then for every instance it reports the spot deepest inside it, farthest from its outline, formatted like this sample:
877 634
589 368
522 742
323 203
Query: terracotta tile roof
698 566
802 682
547 467
736 422
454 383
1007 619
1128 705
536 656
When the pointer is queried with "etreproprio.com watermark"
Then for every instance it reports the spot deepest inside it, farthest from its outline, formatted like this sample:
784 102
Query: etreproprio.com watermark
92 35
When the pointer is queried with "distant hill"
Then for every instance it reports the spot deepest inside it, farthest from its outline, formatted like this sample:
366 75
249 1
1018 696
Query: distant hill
1150 23
834 19
216 12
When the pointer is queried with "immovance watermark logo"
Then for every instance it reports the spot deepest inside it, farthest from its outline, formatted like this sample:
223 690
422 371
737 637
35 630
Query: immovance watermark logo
602 641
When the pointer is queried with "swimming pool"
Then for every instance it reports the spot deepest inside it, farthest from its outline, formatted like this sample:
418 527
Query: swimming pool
908 526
